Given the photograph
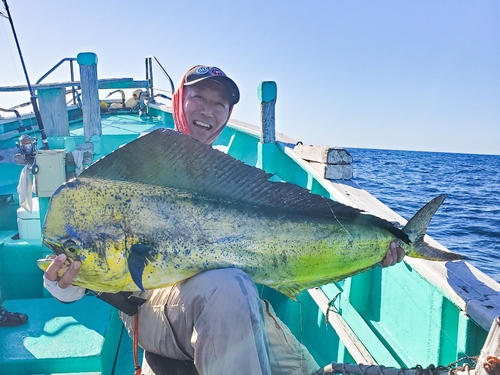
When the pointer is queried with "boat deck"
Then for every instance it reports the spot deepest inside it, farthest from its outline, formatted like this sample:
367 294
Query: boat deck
121 125
82 337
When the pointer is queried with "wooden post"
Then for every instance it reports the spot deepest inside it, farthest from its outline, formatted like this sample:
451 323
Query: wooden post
267 93
91 111
54 111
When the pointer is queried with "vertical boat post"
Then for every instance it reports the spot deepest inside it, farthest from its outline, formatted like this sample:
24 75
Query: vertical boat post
54 111
91 112
267 93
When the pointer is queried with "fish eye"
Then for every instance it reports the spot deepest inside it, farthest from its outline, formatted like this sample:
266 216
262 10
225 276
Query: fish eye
71 246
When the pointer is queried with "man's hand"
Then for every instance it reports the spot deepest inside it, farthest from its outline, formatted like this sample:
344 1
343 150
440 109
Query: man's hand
69 276
492 365
62 288
394 255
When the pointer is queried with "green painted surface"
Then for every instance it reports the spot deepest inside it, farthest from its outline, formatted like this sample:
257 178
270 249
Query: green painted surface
60 338
307 323
25 279
9 180
469 337
6 236
267 91
431 332
269 157
86 58
315 187
8 213
243 146
125 358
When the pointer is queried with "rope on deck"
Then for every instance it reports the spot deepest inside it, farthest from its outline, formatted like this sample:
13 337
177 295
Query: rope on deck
360 369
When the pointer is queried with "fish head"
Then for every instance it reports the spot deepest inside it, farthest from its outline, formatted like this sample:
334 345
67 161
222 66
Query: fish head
102 261
70 246
73 247
78 225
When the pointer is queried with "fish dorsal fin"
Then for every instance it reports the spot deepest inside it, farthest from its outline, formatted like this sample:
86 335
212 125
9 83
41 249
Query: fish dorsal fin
171 159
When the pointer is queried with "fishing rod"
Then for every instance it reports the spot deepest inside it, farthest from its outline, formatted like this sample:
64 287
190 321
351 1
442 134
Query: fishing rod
32 92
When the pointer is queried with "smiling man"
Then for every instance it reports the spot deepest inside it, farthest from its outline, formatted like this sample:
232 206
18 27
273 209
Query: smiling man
203 102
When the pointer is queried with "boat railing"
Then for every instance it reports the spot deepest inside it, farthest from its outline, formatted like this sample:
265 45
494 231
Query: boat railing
73 89
74 85
16 112
149 61
75 100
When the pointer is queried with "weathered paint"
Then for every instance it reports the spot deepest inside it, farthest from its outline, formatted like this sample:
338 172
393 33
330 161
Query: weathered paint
267 91
90 95
86 58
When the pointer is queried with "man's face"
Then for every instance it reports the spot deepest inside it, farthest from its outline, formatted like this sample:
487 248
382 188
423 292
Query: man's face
206 108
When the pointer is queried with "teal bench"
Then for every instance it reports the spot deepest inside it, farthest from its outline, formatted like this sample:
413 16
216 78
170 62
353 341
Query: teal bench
83 337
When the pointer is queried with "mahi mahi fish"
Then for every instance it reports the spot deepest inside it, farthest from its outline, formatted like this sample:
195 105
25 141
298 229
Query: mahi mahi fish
166 207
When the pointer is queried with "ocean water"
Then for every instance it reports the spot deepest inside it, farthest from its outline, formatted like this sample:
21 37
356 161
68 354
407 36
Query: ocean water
467 223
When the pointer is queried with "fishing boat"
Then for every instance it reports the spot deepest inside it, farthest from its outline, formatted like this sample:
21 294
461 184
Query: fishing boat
417 314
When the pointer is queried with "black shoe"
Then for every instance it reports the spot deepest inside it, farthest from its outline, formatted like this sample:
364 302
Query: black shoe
8 319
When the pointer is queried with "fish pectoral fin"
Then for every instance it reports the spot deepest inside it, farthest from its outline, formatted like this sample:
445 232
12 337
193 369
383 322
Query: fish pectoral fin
139 258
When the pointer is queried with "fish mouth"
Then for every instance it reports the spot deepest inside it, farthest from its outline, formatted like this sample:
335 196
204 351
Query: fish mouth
53 245
61 247
202 125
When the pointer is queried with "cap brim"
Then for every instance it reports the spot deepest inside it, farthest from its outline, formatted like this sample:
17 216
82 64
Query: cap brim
228 83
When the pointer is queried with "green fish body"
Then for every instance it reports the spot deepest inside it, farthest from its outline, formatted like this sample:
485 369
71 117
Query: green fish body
166 207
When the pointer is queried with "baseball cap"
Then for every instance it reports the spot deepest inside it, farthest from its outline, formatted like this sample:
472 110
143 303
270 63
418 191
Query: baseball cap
202 72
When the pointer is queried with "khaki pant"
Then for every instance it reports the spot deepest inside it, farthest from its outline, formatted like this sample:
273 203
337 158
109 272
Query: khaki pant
217 320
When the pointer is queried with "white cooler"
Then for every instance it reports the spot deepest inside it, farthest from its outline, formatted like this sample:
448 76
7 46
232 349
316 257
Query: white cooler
28 224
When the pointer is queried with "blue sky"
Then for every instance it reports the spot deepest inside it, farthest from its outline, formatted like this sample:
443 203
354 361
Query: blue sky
391 74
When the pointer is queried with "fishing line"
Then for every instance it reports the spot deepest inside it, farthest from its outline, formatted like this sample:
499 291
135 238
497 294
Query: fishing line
302 357
33 98
338 221
8 43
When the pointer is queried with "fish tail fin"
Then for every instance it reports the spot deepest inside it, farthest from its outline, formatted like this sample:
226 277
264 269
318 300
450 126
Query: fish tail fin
416 228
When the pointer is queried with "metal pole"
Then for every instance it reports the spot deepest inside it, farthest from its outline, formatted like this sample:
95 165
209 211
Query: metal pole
32 93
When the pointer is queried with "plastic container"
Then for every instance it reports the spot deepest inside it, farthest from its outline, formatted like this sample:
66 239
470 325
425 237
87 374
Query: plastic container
28 223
